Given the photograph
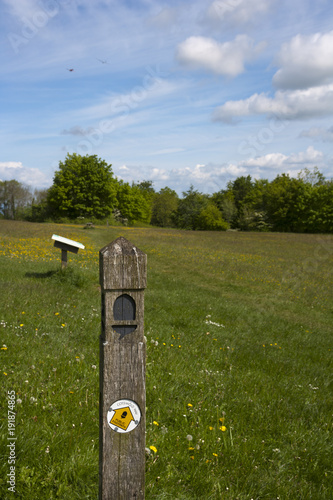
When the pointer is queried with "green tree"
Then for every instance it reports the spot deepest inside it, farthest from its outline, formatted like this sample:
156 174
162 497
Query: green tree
286 201
241 189
312 177
165 203
14 199
83 187
210 219
225 202
189 209
132 203
320 212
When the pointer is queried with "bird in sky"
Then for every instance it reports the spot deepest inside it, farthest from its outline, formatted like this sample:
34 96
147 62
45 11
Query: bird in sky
103 61
70 69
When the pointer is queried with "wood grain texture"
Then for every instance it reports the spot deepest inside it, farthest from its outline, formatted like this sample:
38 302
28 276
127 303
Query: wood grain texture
123 270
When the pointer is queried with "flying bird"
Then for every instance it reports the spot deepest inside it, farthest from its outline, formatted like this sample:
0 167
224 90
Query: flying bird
70 69
103 61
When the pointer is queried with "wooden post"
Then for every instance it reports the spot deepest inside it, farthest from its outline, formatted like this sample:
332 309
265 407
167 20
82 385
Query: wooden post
66 245
63 258
123 278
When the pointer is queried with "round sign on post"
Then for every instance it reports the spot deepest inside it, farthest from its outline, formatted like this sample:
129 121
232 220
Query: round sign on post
124 415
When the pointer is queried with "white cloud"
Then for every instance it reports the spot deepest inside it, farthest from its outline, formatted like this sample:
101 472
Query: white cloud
290 104
236 12
228 58
318 133
281 163
30 176
305 61
207 178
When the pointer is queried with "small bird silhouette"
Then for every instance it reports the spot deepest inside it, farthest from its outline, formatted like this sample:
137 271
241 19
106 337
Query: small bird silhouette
70 69
103 61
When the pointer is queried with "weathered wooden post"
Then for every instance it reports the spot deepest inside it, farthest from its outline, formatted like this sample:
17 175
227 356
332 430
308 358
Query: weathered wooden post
123 278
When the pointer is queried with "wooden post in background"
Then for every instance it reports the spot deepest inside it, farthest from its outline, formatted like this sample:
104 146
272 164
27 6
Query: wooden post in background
123 278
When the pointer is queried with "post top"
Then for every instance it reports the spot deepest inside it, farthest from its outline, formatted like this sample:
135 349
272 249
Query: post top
120 246
122 266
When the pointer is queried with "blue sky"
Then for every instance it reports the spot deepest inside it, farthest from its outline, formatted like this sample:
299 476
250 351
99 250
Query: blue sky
180 93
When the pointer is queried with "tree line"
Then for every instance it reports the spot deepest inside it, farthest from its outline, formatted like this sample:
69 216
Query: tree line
85 189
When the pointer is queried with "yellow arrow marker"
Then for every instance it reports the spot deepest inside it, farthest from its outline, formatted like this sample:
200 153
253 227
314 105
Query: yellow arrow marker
122 418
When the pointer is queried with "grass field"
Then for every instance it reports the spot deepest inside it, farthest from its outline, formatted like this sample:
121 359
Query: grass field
239 363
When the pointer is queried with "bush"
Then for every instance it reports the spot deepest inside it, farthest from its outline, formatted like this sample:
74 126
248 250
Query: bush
210 219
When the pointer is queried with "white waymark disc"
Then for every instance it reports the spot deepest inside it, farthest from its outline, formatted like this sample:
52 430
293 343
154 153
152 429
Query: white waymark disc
124 415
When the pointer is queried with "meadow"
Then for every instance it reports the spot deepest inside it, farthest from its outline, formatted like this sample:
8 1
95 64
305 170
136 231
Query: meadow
239 363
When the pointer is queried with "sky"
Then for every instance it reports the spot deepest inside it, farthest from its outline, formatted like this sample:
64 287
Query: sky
187 92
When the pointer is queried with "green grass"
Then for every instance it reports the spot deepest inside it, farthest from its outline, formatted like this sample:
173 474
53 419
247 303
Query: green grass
239 363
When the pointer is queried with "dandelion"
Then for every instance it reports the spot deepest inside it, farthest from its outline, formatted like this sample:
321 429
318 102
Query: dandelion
189 405
211 428
155 423
153 449
223 428
215 454
4 348
189 437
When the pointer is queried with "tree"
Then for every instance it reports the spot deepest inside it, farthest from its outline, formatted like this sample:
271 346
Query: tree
314 177
241 189
132 203
286 202
165 203
210 219
14 198
83 187
320 213
189 208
